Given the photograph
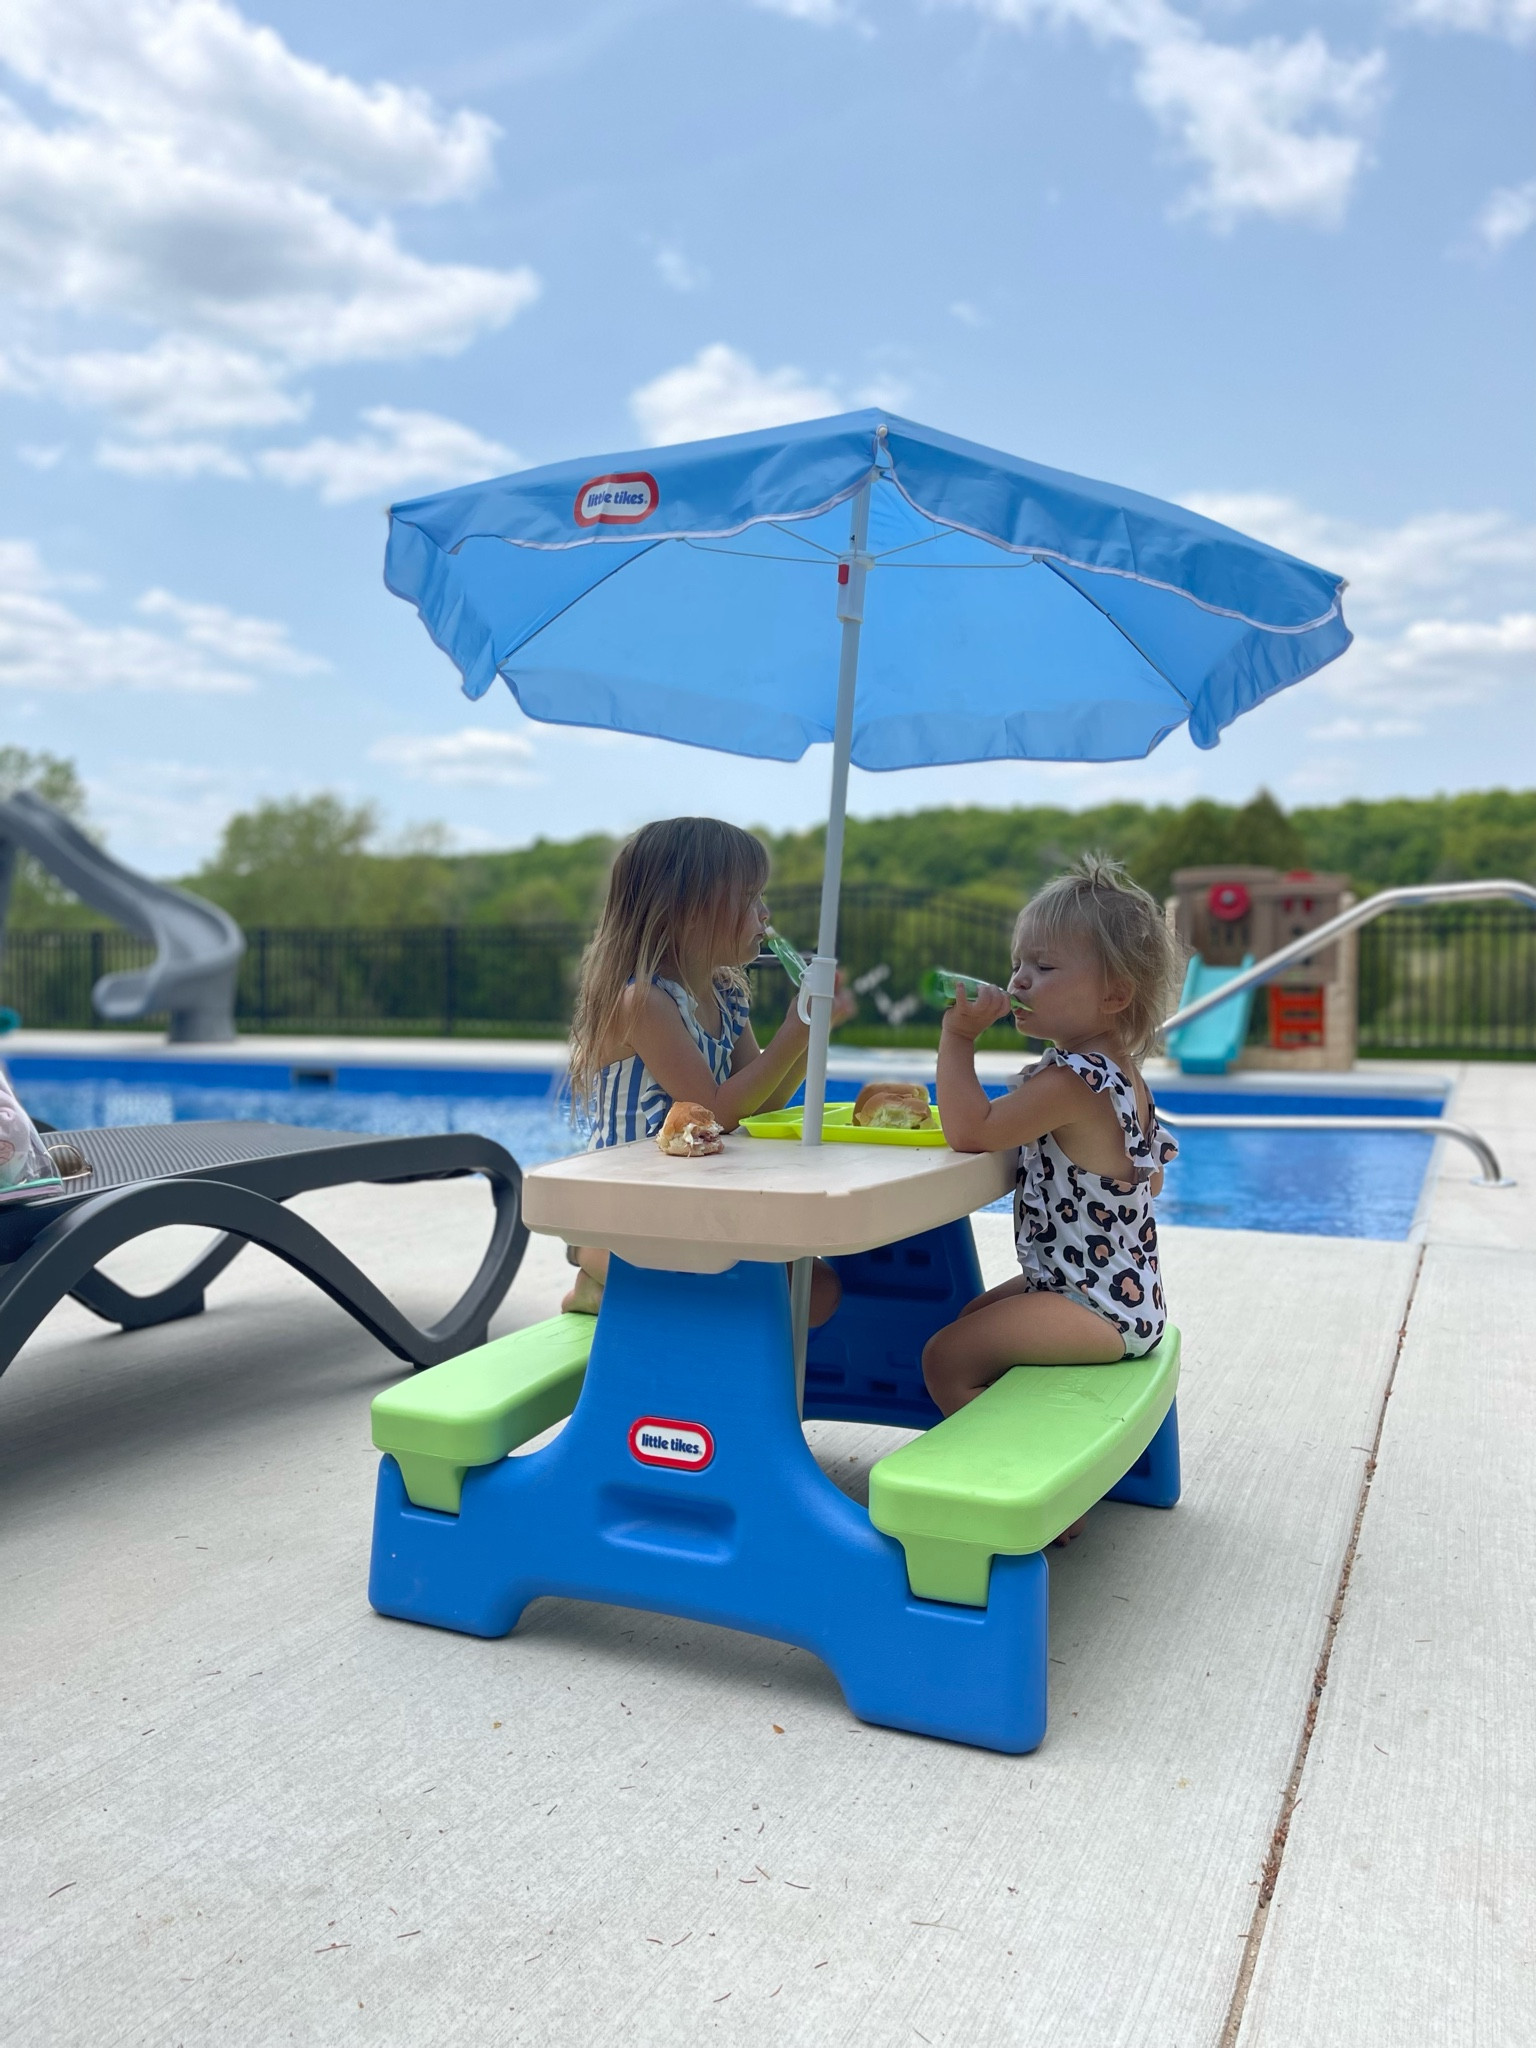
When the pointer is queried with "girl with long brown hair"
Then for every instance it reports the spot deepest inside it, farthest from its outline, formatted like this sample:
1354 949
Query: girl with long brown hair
662 1008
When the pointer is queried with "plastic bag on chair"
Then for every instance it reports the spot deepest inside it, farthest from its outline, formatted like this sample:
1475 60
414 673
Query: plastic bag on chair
26 1167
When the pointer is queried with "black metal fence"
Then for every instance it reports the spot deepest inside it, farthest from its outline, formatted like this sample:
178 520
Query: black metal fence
1459 981
1452 979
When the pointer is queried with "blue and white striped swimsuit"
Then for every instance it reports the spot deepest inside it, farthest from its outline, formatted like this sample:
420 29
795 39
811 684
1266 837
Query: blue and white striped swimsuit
631 1103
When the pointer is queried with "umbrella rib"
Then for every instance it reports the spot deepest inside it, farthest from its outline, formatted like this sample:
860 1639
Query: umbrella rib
1053 555
927 540
527 638
789 533
755 554
1129 639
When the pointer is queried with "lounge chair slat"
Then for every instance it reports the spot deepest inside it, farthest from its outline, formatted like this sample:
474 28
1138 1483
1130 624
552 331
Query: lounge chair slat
248 1170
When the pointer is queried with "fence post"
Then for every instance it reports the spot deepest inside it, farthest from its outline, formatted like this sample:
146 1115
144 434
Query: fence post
450 976
98 965
261 977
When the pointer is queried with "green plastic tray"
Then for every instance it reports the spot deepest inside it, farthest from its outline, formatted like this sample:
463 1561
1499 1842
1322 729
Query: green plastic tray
837 1128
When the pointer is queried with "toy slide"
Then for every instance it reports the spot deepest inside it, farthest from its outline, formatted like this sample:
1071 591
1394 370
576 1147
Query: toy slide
1211 1044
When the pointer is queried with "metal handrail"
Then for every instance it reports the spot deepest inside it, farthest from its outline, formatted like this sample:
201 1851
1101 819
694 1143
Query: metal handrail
1346 921
1434 1126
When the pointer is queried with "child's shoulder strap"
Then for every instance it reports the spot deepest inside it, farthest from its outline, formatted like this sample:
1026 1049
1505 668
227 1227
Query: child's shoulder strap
735 1006
1107 1077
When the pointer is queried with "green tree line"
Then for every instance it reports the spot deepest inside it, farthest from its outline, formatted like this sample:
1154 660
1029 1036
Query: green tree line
318 861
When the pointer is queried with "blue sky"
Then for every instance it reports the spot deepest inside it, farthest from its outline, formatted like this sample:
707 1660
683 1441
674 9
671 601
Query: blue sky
264 269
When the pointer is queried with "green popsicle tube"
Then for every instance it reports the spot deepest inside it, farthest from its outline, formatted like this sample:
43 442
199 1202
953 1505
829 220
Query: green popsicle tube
788 957
940 986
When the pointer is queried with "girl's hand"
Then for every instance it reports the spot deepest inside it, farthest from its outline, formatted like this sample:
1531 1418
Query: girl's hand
968 1018
845 1004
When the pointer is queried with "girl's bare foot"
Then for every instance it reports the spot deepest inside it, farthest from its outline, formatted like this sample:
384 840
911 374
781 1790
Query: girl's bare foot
1070 1535
584 1299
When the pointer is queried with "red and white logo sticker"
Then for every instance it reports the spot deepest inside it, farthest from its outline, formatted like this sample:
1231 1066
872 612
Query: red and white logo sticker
656 1440
617 500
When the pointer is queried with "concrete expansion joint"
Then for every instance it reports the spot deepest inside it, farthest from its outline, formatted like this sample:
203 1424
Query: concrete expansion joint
1290 1798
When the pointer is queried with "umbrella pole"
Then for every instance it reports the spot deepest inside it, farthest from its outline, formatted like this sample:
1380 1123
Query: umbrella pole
821 974
820 983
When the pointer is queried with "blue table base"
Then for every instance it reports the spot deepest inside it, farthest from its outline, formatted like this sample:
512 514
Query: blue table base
683 1484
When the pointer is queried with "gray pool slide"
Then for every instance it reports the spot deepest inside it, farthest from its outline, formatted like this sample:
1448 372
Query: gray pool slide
197 945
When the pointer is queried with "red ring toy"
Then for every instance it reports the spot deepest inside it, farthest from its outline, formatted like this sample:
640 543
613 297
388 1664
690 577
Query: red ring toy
1228 901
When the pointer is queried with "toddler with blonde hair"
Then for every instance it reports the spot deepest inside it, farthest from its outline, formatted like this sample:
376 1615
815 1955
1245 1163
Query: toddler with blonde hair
1094 968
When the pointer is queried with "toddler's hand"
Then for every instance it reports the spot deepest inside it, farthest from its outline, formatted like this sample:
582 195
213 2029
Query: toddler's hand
970 1018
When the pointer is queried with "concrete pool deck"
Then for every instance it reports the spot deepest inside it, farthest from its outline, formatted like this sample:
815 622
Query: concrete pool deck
145 1053
239 1807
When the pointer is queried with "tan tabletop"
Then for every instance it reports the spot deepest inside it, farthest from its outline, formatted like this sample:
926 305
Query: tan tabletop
758 1199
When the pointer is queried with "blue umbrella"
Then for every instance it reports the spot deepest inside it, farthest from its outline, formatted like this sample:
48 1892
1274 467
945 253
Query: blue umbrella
1016 612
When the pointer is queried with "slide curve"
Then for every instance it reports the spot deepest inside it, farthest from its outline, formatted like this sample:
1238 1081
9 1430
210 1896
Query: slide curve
197 945
1211 1044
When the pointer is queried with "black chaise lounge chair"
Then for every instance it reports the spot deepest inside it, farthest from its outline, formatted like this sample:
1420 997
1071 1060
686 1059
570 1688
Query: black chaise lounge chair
234 1178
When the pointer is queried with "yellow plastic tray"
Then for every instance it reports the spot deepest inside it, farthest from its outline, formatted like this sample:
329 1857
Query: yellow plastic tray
837 1128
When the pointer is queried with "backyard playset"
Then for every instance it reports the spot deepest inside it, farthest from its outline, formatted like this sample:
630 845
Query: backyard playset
1228 917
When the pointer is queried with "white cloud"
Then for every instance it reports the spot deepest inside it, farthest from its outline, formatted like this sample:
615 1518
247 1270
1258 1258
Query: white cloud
1275 124
179 385
405 450
967 314
723 391
1342 729
820 13
253 643
1461 562
41 455
178 461
106 223
173 810
47 647
1447 661
171 163
1508 212
475 755
676 270
1441 605
1512 18
229 92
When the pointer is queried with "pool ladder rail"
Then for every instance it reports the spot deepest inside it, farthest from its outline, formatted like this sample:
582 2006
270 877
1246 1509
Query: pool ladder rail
1431 1126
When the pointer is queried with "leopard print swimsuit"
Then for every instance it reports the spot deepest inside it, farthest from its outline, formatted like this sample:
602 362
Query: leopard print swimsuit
1082 1234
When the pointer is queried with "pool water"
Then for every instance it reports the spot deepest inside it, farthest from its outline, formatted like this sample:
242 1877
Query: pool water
1317 1183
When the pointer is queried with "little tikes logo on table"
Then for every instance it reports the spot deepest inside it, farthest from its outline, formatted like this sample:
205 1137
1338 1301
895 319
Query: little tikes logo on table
617 500
657 1440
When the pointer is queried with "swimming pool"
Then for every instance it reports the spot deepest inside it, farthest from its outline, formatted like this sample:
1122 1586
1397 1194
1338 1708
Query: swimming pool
1317 1183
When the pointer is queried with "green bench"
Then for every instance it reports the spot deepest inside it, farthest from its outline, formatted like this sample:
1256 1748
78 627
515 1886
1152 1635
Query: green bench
1004 1476
477 1407
1008 1472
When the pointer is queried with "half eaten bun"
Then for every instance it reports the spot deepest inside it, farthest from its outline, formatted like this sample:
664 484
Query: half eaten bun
894 1106
690 1131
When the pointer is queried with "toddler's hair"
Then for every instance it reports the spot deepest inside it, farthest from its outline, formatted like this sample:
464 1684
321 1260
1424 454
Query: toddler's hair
1097 900
670 882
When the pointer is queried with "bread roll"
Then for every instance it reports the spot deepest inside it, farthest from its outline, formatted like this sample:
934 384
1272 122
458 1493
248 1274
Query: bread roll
690 1131
893 1106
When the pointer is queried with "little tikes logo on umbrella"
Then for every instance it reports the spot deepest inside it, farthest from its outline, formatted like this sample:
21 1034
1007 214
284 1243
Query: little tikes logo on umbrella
617 500
657 1440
